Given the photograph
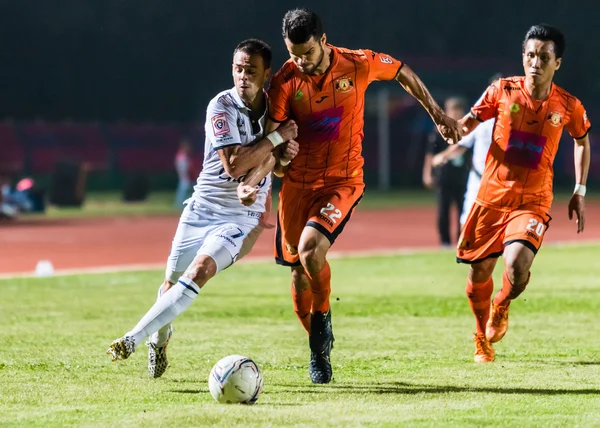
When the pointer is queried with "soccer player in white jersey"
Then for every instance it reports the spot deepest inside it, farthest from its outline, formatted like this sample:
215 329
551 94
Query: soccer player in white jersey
215 228
479 141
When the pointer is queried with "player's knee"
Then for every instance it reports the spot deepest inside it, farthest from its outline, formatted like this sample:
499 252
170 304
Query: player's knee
300 280
517 271
312 256
202 269
480 273
312 260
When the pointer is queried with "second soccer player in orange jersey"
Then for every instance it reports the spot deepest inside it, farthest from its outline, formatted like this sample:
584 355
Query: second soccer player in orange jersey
322 88
511 213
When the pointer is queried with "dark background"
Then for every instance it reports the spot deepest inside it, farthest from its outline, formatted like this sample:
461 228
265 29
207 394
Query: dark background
163 61
118 83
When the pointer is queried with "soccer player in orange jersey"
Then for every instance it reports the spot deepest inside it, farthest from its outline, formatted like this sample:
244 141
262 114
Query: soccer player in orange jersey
510 215
322 88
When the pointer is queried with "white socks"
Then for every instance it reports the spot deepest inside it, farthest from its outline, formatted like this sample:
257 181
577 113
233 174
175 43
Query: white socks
167 307
161 336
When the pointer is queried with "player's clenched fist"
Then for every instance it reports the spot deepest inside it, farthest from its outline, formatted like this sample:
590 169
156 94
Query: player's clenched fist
247 194
449 129
288 131
290 150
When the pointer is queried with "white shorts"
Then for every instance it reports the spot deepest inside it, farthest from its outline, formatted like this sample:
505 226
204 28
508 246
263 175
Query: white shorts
203 232
470 195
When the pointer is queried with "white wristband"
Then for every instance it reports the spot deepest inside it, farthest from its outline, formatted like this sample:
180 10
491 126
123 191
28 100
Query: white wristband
284 162
275 138
579 190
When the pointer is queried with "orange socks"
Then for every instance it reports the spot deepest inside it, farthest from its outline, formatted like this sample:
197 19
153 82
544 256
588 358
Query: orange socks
320 285
509 291
479 294
302 304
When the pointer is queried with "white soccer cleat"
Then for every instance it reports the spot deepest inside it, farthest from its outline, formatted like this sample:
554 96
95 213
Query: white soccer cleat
121 348
157 357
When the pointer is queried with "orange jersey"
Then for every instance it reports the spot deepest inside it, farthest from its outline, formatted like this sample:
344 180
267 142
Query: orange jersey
329 111
518 169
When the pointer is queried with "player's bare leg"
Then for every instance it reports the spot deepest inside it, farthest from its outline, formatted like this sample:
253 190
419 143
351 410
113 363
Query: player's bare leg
170 304
480 287
302 296
518 259
313 251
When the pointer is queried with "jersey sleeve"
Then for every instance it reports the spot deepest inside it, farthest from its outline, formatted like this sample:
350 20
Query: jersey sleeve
221 127
487 106
382 66
579 124
279 95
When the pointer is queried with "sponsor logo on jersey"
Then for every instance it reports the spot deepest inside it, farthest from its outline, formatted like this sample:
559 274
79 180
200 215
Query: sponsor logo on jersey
514 108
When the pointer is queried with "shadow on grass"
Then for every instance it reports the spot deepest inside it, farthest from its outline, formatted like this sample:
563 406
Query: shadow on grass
409 389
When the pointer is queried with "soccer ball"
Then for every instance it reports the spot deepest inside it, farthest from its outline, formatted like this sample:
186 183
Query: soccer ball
235 379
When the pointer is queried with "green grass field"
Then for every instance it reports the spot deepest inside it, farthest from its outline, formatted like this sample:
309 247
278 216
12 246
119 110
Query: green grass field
403 355
101 204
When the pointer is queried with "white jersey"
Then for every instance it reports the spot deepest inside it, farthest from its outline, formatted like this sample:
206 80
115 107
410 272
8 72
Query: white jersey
228 123
479 140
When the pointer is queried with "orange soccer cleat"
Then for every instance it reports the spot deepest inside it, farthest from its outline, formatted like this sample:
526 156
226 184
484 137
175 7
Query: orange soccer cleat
484 352
497 325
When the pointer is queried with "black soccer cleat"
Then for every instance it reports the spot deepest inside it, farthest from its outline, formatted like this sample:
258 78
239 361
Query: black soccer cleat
320 342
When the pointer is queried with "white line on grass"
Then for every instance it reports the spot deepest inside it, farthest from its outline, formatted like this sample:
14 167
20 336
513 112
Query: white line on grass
380 252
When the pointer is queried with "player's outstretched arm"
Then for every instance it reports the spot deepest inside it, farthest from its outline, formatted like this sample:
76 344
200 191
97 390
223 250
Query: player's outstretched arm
468 123
582 157
447 127
238 160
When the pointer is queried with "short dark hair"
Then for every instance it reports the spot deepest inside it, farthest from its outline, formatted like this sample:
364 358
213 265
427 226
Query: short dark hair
255 47
547 33
299 25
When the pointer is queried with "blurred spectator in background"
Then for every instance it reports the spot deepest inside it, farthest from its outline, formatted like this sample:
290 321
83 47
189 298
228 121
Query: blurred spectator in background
15 200
479 142
183 166
449 180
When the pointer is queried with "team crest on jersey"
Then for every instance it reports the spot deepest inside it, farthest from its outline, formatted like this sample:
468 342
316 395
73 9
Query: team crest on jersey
344 84
219 124
555 118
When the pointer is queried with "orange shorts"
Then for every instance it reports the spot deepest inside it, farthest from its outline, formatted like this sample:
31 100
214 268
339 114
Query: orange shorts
487 231
327 209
